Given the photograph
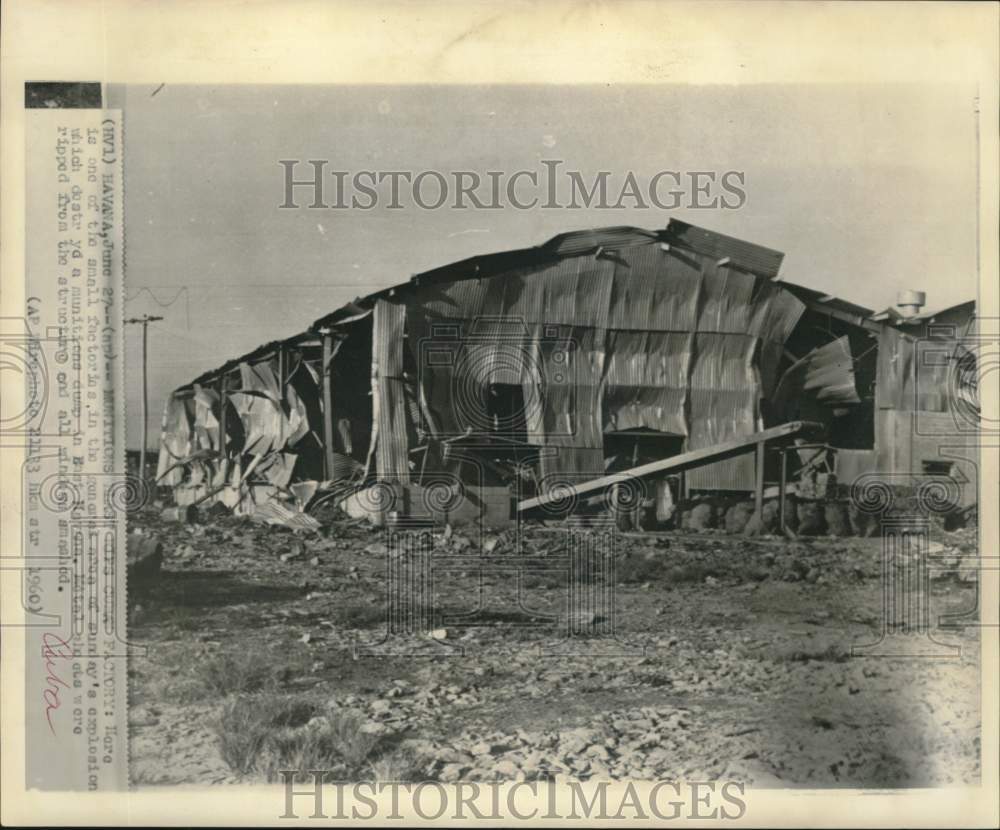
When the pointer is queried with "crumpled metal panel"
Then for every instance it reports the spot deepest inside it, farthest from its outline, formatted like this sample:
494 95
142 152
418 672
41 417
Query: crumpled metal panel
565 379
298 416
176 442
206 424
277 468
646 381
258 403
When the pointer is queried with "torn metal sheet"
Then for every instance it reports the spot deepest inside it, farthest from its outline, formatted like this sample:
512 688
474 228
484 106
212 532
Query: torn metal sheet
274 512
646 381
824 376
206 422
176 441
272 418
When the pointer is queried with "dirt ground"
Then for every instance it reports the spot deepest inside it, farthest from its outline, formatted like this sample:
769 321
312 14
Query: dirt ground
731 659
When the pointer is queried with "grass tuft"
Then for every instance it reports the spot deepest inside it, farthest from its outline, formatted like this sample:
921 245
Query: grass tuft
401 766
241 672
265 733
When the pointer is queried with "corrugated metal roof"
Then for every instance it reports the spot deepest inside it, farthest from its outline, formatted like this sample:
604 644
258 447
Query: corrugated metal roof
819 301
745 255
748 256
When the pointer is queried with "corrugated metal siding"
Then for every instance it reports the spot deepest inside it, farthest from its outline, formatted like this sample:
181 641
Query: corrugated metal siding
723 405
905 440
659 339
915 375
654 290
893 388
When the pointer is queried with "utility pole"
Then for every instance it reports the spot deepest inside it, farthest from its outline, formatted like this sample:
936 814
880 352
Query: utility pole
146 319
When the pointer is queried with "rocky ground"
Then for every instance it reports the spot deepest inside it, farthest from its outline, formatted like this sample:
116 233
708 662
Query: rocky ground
731 658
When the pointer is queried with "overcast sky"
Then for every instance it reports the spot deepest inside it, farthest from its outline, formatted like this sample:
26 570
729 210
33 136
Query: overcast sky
867 190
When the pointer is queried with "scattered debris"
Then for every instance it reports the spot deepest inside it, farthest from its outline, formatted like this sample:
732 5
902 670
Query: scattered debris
274 512
726 688
186 514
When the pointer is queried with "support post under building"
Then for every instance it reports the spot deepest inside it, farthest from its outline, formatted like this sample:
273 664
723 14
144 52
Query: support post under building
327 404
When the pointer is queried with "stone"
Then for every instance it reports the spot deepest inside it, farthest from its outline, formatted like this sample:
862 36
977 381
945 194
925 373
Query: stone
508 769
768 522
811 519
381 707
701 517
863 523
738 516
451 773
837 519
597 751
449 755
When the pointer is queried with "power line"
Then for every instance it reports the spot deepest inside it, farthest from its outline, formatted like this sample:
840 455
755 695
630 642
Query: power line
182 290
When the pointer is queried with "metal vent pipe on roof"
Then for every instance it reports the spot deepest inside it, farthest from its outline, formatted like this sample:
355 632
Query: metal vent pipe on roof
909 302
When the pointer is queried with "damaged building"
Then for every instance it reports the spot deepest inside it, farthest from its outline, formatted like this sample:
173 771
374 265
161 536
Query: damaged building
661 367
